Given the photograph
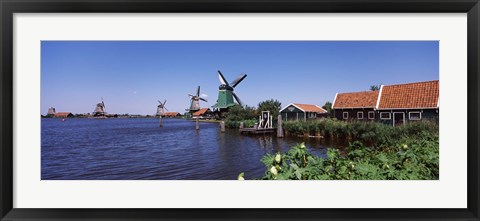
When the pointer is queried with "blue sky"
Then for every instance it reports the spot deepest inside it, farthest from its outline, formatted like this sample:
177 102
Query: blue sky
132 75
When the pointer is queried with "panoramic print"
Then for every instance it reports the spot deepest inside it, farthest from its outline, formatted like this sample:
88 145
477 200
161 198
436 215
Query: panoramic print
239 110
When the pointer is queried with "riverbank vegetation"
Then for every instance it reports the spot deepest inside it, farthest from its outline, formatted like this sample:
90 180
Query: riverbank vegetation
368 133
249 115
375 152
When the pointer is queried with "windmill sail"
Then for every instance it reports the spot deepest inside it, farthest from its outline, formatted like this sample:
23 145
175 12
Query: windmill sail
238 80
161 108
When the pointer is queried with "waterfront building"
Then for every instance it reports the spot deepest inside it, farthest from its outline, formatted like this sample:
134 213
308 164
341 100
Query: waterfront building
402 103
392 104
63 114
355 105
171 114
203 113
303 112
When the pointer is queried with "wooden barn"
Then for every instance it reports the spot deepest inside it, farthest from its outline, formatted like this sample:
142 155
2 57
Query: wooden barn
302 112
403 103
171 114
355 105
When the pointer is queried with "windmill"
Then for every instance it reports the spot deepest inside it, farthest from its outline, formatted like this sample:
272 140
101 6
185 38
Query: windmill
100 109
51 111
195 101
226 94
161 110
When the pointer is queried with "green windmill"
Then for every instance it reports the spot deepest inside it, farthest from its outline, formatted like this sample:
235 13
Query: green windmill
226 94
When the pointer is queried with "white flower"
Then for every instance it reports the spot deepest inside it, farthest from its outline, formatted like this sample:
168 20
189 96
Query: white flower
274 171
240 176
278 158
405 146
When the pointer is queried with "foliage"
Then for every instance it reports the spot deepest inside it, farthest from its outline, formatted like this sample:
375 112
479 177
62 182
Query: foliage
376 152
375 87
328 107
410 159
370 133
236 124
271 105
237 114
249 115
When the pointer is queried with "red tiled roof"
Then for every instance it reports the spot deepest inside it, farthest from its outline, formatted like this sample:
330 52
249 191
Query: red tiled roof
365 99
411 95
62 114
200 112
310 108
171 114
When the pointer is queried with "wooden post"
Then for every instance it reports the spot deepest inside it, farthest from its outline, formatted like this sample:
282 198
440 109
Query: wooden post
279 126
197 124
222 126
161 122
241 125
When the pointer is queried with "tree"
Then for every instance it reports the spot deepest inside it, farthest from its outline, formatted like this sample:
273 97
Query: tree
375 87
239 113
328 107
271 105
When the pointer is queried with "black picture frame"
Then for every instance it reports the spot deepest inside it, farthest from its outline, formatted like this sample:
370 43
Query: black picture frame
9 7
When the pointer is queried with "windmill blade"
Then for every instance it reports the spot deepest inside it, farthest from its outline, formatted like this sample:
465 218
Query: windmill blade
198 91
165 108
159 101
191 95
164 102
222 78
238 99
238 80
203 99
191 105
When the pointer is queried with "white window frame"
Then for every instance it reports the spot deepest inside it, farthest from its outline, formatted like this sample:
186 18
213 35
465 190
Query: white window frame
384 118
415 112
358 117
371 112
345 118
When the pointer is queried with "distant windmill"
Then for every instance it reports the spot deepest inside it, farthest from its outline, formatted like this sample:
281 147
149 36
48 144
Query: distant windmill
100 109
195 101
51 111
226 94
161 110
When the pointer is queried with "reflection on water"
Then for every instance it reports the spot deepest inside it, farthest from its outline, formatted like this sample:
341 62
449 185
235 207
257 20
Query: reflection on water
129 149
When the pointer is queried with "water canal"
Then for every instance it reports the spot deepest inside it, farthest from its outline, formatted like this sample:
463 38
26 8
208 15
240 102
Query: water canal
131 149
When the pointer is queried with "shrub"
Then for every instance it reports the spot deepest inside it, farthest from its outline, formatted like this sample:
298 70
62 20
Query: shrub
411 159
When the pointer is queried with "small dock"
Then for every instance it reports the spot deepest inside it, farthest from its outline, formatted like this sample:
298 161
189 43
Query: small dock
257 130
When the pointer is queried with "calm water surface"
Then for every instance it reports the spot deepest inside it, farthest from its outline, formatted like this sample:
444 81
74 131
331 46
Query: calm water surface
130 149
